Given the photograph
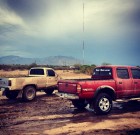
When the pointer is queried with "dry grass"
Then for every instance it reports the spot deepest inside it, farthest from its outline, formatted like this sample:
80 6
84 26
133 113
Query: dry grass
65 74
15 73
70 74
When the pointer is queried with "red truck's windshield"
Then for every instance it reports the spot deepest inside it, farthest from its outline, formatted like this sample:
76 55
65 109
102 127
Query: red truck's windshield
102 73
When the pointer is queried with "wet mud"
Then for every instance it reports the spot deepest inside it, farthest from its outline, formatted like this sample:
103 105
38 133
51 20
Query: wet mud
51 115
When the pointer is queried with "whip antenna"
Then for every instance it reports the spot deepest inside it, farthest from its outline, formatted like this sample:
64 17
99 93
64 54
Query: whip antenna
83 34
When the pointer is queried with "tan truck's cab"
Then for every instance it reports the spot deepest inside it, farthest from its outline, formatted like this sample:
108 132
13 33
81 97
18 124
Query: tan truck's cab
40 78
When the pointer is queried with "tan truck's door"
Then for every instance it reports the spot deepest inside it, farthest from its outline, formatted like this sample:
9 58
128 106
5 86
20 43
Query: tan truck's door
51 77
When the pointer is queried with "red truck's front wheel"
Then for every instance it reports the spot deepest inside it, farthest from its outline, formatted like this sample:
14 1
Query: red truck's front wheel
102 104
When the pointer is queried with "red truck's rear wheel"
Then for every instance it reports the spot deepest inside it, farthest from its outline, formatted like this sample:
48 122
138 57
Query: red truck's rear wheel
102 104
49 91
80 104
29 93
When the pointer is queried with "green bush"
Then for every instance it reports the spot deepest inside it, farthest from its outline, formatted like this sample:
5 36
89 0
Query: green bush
86 69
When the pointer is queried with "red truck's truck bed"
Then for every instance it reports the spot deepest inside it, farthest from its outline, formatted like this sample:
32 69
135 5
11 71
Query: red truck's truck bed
108 83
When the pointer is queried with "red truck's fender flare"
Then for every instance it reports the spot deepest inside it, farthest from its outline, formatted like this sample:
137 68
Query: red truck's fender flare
105 89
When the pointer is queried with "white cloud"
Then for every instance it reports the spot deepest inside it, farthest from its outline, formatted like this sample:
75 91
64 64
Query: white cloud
102 18
9 17
12 25
62 20
65 18
107 22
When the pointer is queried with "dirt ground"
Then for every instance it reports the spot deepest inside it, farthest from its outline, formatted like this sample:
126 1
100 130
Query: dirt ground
51 115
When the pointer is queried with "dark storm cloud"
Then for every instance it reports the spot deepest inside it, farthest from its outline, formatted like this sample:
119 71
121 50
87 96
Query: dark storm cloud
28 8
32 10
54 27
131 14
134 17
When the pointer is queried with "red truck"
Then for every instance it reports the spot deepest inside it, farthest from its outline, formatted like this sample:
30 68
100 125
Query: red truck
107 84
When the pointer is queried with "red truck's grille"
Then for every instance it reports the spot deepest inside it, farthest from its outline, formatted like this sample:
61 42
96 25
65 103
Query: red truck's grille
67 87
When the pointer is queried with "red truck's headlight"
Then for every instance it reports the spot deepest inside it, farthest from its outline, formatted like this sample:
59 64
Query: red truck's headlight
79 88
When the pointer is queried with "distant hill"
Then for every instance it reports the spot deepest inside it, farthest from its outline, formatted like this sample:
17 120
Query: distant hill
52 60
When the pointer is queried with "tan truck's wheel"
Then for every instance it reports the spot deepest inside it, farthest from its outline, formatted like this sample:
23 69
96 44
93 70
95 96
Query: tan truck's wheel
29 93
11 94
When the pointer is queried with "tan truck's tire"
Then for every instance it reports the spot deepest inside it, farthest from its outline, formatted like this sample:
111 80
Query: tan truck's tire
29 93
11 94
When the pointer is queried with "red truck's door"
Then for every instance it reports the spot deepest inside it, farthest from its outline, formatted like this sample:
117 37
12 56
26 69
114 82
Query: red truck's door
124 83
136 80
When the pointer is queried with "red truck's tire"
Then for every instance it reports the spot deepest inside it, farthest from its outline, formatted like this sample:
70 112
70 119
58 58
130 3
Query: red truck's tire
102 104
11 94
79 104
29 93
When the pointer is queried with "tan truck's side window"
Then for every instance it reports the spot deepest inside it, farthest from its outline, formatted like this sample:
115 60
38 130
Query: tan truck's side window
37 72
51 73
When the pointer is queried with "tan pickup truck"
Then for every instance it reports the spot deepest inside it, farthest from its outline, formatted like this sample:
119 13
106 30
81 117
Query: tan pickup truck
39 78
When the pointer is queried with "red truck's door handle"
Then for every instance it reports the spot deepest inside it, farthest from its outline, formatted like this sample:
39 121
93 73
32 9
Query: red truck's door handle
120 82
135 82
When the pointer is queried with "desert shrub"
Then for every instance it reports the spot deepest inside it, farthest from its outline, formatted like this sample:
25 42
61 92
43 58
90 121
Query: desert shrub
86 69
27 67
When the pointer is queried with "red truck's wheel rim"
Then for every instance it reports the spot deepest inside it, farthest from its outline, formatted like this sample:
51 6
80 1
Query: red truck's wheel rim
104 104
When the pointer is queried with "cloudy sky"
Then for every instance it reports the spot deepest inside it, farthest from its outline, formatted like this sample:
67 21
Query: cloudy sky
42 28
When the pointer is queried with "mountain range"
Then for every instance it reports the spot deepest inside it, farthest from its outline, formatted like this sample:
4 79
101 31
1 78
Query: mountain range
52 60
